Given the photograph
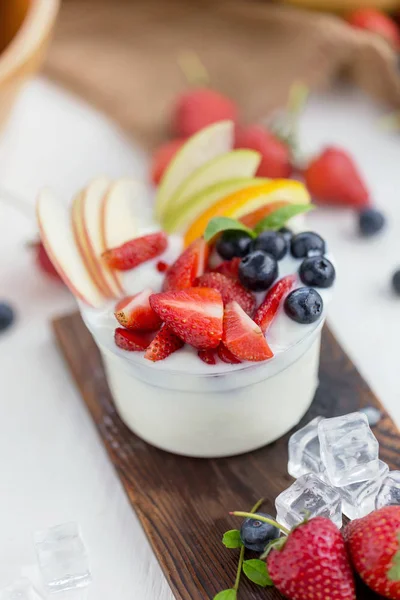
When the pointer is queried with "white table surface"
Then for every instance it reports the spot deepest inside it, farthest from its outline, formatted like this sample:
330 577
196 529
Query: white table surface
53 466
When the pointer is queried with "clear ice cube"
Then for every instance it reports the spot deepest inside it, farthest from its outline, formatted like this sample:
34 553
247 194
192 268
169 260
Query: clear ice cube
304 451
358 499
20 590
389 493
62 557
308 494
349 449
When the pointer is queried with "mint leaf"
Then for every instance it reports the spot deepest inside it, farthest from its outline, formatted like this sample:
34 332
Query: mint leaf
278 218
231 539
219 224
226 595
394 571
256 571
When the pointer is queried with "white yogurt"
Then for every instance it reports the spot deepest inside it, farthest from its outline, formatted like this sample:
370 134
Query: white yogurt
185 406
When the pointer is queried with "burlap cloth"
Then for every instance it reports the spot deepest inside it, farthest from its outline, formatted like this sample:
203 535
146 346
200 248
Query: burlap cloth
121 55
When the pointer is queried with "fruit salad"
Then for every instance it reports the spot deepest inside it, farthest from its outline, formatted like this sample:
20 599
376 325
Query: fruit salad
213 299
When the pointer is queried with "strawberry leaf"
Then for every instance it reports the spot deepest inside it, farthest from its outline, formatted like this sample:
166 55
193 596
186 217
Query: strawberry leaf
278 218
256 571
231 539
394 571
220 224
226 595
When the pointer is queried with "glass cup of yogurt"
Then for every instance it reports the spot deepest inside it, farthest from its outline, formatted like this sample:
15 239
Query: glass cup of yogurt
184 406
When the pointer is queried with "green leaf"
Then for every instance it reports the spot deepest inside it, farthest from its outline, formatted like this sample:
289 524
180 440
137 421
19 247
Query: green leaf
256 571
219 224
280 216
226 595
231 539
394 571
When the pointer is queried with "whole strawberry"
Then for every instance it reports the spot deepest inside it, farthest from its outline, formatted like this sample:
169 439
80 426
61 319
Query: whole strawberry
275 154
373 543
162 157
313 563
376 22
333 178
200 107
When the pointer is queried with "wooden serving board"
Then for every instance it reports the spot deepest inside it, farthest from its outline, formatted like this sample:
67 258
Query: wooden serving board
183 503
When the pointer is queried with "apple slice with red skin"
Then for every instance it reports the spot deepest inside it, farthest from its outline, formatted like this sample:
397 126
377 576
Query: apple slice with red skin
59 241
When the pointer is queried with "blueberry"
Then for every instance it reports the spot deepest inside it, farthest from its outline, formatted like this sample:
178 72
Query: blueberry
7 316
272 242
317 271
255 535
257 271
233 243
370 222
287 234
396 282
304 305
306 242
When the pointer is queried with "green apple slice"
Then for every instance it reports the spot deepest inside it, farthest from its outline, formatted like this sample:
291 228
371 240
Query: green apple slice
179 220
202 147
234 164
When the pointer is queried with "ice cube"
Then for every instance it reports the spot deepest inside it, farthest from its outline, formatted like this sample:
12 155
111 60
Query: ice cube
20 590
358 499
389 494
304 454
308 495
62 557
349 449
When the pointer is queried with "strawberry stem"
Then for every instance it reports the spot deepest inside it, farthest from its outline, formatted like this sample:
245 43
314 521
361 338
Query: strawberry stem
193 69
249 515
242 549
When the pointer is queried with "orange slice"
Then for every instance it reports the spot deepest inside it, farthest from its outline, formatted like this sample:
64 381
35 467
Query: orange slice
258 215
249 200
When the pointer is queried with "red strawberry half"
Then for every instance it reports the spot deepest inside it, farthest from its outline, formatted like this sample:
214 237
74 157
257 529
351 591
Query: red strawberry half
164 344
133 341
200 107
226 355
135 312
207 356
187 267
242 336
333 178
230 290
313 563
137 251
194 314
229 268
268 309
374 546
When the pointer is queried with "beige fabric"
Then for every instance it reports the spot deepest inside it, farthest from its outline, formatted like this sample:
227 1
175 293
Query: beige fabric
121 55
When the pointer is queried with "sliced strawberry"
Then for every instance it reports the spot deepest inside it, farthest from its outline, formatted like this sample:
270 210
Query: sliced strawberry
187 267
229 290
135 312
226 355
137 251
268 309
229 268
195 315
207 356
133 341
242 336
164 344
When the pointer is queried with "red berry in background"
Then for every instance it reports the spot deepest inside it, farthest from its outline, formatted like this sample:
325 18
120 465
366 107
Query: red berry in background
44 262
197 108
333 178
377 22
161 158
276 155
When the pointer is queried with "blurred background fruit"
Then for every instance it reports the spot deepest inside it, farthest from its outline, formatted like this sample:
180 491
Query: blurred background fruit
345 5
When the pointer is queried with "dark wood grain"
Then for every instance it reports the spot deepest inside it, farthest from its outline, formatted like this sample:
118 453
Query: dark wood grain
183 503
